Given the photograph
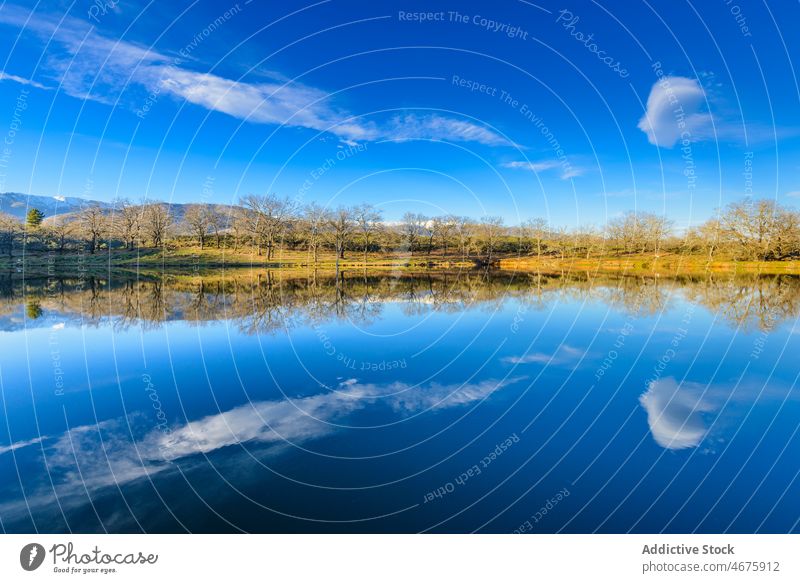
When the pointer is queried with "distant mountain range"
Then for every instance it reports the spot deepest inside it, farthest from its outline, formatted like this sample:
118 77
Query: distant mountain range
17 205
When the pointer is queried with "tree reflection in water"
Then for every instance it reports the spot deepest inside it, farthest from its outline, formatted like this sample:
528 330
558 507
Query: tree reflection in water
264 301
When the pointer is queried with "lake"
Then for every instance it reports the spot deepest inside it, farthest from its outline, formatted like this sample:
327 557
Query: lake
270 401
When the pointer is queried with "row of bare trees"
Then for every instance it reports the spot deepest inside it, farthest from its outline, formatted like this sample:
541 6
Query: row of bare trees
92 227
267 224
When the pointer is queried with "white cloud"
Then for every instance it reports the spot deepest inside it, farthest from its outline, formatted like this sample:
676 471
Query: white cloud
21 80
663 125
564 354
567 170
675 412
572 172
89 66
437 127
20 444
311 417
271 103
298 105
94 67
680 415
532 166
117 451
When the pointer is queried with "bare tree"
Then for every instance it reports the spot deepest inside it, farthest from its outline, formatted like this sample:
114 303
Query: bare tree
341 226
535 230
199 222
217 223
94 224
158 221
445 227
465 231
368 220
626 231
491 228
10 231
653 229
60 229
315 221
269 217
786 239
413 228
432 232
126 222
587 240
750 226
707 238
562 241
238 225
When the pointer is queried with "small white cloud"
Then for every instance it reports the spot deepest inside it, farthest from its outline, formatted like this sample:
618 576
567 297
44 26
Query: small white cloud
564 354
20 444
675 412
21 80
532 166
572 172
674 112
60 198
681 415
437 127
568 171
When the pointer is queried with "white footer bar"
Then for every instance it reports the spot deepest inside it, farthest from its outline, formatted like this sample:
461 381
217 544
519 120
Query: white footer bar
388 558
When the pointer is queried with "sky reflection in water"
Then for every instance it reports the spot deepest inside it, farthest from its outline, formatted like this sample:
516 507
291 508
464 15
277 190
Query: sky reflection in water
399 403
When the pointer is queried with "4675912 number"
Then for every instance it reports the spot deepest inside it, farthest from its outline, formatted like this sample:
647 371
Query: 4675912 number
755 566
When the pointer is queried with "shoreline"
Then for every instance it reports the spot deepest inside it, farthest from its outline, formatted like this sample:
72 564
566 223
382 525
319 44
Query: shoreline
187 260
670 265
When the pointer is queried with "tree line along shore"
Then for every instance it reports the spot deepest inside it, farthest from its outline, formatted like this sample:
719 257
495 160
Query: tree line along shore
273 230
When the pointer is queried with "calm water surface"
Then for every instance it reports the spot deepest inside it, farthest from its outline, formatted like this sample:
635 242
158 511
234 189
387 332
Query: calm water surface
269 402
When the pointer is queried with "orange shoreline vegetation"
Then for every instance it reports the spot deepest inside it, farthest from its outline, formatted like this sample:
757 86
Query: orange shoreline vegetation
643 264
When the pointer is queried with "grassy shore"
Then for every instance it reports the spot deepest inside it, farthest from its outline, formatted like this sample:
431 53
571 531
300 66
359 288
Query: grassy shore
666 265
190 260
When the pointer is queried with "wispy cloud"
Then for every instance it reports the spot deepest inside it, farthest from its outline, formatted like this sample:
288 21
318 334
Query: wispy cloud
117 451
438 127
567 170
293 104
564 354
532 166
90 66
312 417
20 444
21 80
572 172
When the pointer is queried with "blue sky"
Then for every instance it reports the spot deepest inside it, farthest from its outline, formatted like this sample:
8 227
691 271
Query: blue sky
507 108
